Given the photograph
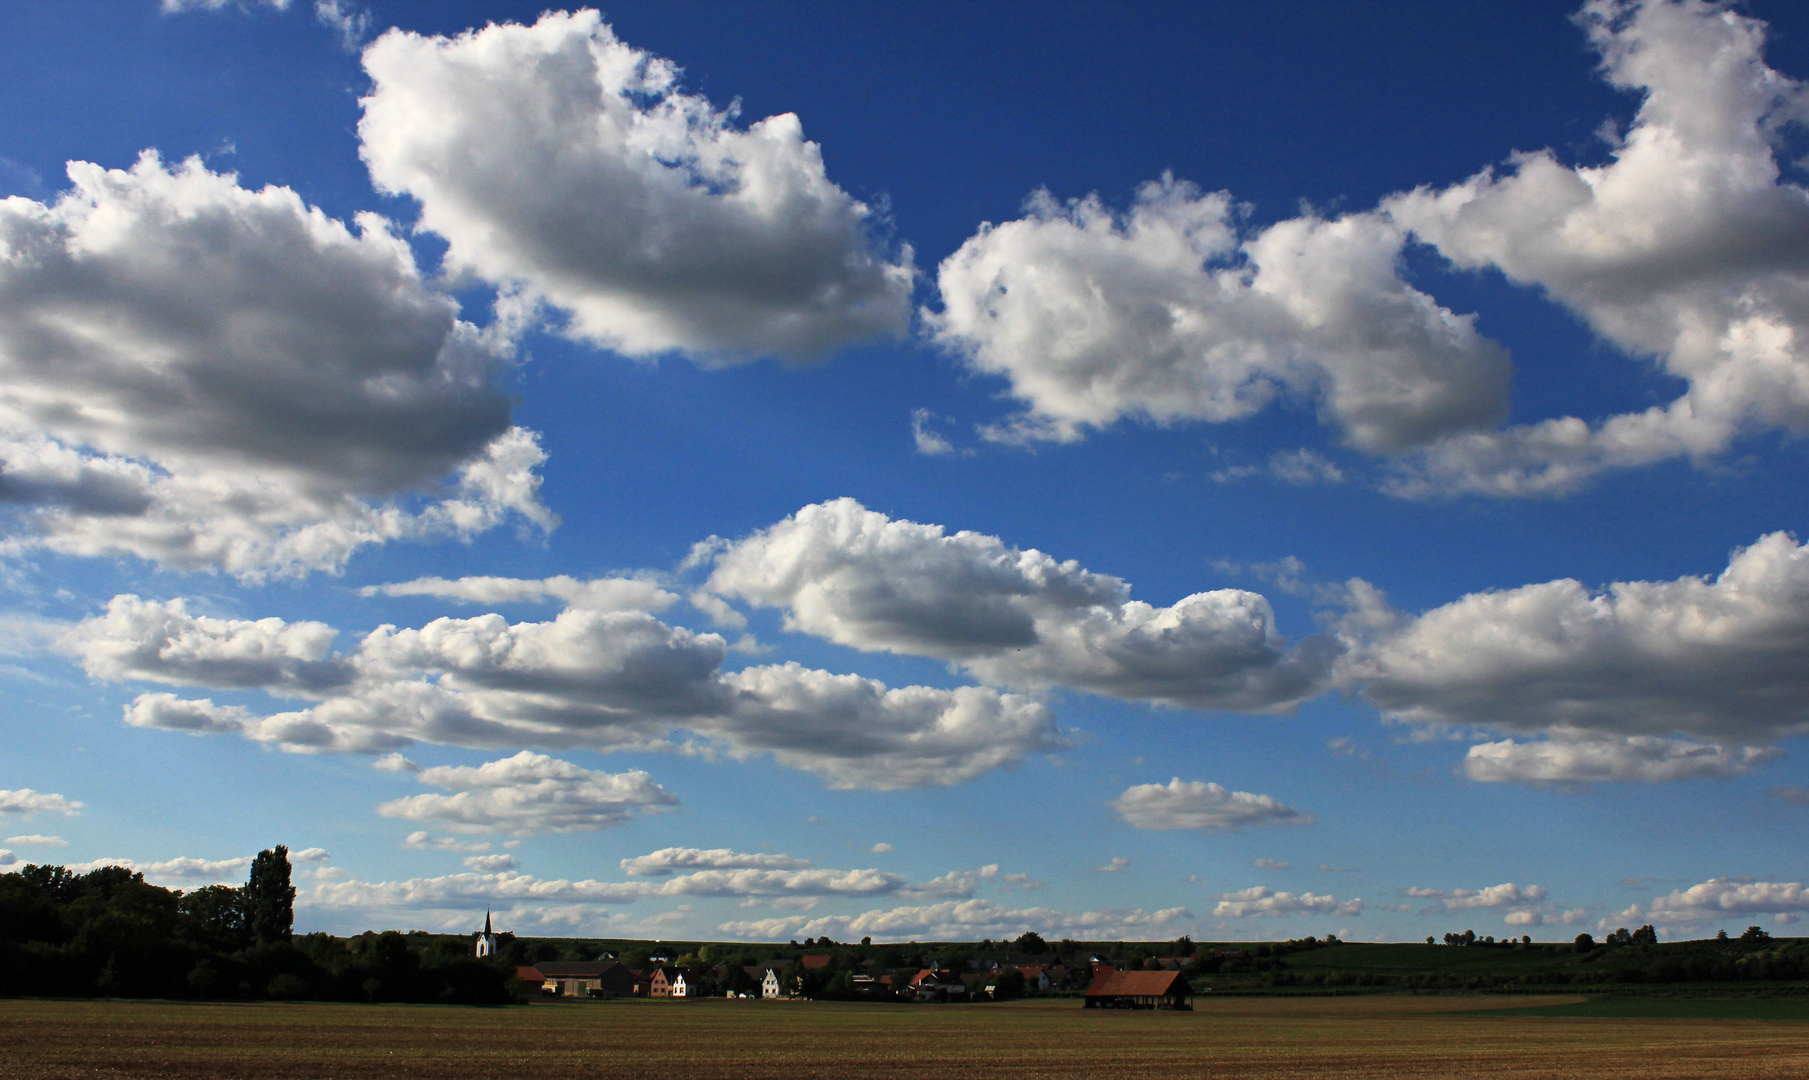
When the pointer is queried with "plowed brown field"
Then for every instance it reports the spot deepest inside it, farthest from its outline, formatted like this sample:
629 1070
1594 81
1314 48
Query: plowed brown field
1246 1038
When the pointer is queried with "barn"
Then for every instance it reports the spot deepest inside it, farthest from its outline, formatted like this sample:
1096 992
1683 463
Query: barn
1140 990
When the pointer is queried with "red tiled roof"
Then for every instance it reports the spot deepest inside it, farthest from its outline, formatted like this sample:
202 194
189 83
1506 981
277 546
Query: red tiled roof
529 974
1138 984
811 963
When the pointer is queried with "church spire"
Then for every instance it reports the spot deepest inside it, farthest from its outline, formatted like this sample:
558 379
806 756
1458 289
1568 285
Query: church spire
486 921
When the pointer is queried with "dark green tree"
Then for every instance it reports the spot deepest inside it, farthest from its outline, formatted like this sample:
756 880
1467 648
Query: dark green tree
1030 942
269 898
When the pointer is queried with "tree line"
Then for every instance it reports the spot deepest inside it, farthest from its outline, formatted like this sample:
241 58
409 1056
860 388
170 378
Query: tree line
110 933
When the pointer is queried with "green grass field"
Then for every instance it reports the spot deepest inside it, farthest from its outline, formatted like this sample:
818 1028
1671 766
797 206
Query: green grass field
1393 1037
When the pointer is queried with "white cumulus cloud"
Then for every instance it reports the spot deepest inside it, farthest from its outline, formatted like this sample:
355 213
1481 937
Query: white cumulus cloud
27 801
1613 675
1261 901
529 793
1645 758
597 679
557 159
666 861
203 375
1012 616
1192 804
1688 248
1166 313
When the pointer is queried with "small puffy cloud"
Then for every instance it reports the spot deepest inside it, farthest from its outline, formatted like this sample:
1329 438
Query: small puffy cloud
424 841
489 864
558 160
1301 468
1115 865
206 376
1015 617
666 861
1795 794
1545 918
1722 659
1260 901
529 793
881 848
1506 894
1686 247
395 763
1271 864
38 839
310 855
1166 313
27 801
1641 758
598 594
1195 805
928 441
965 920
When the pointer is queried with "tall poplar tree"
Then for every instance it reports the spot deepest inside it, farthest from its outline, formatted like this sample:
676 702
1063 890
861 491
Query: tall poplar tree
269 898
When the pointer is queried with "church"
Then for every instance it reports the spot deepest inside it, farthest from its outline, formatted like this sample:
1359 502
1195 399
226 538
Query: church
486 938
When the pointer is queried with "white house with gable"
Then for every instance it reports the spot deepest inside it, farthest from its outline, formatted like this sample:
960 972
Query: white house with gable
770 986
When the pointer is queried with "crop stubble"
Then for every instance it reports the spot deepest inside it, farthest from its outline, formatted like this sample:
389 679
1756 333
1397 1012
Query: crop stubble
1246 1038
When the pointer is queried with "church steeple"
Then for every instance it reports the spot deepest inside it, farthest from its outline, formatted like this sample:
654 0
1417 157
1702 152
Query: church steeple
486 938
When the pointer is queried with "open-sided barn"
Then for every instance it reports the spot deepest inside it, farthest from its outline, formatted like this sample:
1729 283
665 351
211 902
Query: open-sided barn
1140 990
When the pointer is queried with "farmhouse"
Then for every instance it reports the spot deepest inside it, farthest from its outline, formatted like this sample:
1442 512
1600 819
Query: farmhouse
1140 990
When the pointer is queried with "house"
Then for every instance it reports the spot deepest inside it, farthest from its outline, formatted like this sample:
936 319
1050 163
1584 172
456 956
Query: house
771 985
585 979
659 982
661 955
682 987
931 984
1140 990
535 979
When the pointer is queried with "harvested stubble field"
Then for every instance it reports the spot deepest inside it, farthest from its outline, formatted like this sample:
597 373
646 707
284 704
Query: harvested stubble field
1247 1038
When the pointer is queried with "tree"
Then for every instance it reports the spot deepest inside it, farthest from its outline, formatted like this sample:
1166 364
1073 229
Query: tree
1755 933
269 898
1030 942
1585 942
1429 940
1645 935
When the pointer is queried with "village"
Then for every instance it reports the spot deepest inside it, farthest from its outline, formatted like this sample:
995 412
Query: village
1098 980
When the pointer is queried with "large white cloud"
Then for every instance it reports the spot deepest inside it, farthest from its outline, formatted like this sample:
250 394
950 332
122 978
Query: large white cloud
1687 247
556 158
1166 313
1014 616
598 679
208 376
529 793
1723 659
1192 804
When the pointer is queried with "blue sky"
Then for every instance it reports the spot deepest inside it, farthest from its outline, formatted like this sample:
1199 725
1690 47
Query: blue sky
769 471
